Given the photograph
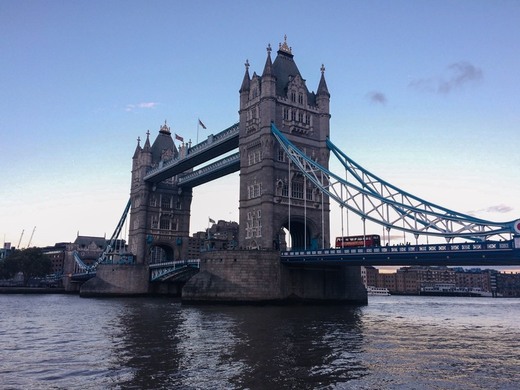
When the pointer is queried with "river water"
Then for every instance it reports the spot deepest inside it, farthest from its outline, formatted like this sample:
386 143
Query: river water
67 342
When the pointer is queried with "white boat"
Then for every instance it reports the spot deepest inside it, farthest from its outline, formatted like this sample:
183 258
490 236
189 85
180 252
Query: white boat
371 290
449 289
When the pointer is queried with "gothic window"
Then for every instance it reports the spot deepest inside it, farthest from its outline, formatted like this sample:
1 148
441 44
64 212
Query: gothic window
297 190
165 202
300 98
165 223
153 201
254 190
300 116
293 96
154 223
281 155
293 115
308 192
285 189
307 119
254 224
285 113
254 156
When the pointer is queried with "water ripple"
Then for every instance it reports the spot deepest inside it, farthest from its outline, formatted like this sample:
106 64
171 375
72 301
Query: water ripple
64 342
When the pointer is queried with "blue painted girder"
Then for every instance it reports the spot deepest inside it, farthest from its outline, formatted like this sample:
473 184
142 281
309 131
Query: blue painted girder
489 253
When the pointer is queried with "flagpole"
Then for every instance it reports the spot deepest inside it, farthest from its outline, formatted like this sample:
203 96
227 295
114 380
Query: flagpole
198 125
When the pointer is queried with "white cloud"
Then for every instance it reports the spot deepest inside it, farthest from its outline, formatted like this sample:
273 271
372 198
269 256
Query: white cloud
142 105
500 209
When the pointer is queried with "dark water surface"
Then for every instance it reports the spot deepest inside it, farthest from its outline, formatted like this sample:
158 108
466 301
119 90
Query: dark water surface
66 342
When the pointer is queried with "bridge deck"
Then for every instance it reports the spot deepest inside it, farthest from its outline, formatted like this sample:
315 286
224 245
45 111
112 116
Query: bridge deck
211 172
487 253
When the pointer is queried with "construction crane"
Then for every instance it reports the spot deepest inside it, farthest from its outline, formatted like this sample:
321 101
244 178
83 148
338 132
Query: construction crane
30 239
20 240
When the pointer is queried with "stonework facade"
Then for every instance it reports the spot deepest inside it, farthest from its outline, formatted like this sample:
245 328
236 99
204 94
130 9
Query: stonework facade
160 213
274 197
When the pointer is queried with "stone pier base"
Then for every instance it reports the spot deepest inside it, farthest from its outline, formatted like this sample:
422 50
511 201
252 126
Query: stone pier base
258 276
117 280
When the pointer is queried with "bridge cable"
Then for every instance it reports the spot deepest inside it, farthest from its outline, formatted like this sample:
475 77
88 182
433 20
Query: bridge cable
417 216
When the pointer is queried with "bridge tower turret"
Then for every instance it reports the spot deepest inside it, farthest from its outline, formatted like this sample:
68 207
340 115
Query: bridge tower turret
274 197
160 213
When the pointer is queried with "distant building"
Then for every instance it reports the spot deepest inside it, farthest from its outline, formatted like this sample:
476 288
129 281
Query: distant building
57 255
387 280
410 280
196 244
508 284
89 249
476 278
6 250
407 281
369 275
222 235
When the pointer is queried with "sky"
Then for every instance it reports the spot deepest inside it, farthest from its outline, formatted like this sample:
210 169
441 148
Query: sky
424 94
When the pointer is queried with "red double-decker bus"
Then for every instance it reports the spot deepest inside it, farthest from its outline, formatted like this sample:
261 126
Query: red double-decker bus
358 241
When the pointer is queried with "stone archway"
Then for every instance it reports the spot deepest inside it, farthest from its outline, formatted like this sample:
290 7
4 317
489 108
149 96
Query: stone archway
299 236
161 253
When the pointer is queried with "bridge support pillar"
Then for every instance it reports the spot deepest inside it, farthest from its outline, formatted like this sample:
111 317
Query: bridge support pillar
258 276
117 280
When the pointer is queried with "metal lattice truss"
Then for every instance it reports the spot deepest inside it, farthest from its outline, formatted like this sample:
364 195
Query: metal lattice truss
109 248
376 200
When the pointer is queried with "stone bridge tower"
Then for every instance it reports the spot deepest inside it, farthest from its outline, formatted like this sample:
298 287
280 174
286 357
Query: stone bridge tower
160 213
274 197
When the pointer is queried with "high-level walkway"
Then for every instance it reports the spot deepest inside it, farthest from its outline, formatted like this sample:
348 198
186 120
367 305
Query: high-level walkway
213 147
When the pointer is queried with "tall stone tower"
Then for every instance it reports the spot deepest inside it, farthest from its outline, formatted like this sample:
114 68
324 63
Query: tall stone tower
274 197
160 213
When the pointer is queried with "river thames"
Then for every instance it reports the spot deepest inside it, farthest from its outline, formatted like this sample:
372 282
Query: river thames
395 342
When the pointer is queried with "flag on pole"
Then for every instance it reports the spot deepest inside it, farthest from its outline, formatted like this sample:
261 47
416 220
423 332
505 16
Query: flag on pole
211 220
202 124
179 138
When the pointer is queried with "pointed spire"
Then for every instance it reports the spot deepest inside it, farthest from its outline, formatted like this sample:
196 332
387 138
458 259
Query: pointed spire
147 142
246 82
137 148
322 87
268 68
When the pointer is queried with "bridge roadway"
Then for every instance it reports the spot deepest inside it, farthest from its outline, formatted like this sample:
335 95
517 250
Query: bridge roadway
467 254
213 147
481 253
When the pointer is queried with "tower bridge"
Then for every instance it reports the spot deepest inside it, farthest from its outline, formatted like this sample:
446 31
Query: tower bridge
282 146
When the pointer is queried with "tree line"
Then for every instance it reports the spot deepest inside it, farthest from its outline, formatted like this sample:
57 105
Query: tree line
31 262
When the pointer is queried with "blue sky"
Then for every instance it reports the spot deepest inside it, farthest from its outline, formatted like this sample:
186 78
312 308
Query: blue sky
424 94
